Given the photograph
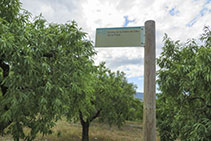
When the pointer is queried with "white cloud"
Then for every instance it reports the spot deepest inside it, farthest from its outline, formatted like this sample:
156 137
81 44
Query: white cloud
129 60
132 70
56 11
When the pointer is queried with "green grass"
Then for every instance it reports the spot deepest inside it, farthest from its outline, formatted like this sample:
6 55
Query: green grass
64 131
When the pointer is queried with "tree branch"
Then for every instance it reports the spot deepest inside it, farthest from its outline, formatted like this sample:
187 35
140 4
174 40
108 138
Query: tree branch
81 117
5 68
95 116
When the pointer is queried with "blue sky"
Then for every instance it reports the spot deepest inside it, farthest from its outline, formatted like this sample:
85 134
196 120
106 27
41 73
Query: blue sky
180 19
139 81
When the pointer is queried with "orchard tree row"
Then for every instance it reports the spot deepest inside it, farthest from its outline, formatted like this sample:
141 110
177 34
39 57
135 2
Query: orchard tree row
47 72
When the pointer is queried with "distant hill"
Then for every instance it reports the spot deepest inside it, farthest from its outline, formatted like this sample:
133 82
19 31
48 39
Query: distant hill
139 95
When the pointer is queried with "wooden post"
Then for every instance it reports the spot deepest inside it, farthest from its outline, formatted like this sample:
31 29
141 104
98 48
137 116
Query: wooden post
149 82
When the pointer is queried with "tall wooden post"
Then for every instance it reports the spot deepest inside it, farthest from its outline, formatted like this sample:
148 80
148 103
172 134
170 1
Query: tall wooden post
149 82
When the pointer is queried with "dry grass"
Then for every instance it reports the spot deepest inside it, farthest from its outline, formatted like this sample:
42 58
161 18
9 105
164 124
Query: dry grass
64 131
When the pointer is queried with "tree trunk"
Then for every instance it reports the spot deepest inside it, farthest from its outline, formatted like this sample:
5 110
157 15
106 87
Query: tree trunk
85 131
3 89
85 124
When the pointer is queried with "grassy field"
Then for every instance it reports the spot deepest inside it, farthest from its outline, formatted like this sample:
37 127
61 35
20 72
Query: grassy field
64 131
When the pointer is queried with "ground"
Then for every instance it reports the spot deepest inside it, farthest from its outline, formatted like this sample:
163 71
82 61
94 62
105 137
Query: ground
64 131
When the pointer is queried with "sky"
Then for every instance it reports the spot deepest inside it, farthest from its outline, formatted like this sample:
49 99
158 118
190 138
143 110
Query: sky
180 19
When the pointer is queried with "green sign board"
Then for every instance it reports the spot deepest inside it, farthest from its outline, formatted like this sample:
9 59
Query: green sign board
120 37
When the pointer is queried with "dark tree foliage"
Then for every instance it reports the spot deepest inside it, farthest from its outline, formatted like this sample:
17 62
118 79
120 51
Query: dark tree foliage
184 78
40 68
136 110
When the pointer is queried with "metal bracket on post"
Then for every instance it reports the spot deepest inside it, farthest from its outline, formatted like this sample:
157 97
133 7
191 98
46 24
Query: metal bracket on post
149 82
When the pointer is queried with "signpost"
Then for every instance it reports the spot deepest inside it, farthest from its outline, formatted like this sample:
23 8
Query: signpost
120 37
149 83
137 37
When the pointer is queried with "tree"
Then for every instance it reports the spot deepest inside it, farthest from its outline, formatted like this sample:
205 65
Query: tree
40 68
184 78
136 110
109 99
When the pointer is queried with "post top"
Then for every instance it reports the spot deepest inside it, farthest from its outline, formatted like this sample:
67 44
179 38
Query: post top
150 21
